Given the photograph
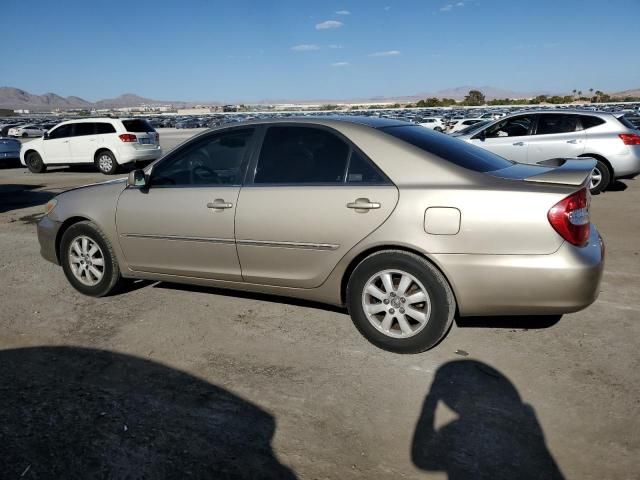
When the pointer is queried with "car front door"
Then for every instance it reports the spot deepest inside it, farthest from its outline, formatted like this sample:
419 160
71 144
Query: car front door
56 145
83 142
183 223
556 136
312 197
508 138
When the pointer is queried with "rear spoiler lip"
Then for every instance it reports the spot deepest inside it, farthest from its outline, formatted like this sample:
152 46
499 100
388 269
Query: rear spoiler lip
567 171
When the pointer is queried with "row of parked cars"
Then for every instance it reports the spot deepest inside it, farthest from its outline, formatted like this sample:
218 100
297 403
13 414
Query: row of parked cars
526 136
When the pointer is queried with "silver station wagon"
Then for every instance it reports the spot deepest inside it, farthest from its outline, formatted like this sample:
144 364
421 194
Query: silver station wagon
404 226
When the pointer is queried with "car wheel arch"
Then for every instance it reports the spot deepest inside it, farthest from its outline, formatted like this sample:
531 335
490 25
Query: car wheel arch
361 256
101 150
64 227
602 159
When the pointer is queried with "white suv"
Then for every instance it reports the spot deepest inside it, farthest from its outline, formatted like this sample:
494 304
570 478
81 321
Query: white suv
105 142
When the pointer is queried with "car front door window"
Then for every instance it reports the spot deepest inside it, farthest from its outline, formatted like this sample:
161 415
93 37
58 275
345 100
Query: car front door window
511 127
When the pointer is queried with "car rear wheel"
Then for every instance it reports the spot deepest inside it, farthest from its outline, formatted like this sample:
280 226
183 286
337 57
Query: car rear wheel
600 178
106 162
34 163
400 302
88 260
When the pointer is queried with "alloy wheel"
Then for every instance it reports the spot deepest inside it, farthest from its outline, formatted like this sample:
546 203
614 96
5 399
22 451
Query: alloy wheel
396 303
596 178
86 260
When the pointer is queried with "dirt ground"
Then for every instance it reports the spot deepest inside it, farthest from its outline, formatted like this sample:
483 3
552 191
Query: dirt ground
168 381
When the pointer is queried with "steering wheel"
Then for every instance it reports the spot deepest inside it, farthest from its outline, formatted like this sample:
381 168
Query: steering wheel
205 174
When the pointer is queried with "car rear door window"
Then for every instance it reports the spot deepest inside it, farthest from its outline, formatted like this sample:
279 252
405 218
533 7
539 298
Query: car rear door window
83 129
589 122
511 127
549 124
63 131
217 159
102 127
301 155
361 170
138 126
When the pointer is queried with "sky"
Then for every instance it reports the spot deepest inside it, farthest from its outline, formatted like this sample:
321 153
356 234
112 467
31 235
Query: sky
241 50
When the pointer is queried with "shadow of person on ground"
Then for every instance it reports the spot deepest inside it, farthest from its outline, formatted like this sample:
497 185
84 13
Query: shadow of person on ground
17 196
82 413
495 435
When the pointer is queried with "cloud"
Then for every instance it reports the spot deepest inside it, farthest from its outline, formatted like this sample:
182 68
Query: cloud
343 12
336 46
447 8
388 53
329 24
305 47
340 64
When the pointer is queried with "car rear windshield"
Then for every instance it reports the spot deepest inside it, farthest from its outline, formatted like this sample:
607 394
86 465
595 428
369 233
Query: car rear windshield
455 151
137 126
626 122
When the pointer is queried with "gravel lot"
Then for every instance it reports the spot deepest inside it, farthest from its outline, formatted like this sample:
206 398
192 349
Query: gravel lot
168 381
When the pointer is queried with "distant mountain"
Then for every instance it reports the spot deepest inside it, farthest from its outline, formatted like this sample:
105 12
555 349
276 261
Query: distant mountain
627 93
16 98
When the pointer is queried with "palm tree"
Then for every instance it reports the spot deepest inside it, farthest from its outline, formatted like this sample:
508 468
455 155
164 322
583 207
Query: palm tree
574 92
579 93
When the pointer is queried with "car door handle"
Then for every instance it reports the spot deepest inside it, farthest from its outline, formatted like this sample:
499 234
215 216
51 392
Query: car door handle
572 141
363 204
219 204
519 144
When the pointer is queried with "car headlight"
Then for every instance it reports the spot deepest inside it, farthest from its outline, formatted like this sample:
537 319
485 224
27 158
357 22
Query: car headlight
51 204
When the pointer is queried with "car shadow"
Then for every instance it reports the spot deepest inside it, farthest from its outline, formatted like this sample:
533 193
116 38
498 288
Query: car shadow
68 412
616 186
517 322
253 296
492 434
17 196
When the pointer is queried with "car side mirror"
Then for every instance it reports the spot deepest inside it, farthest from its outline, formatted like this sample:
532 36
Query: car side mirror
482 136
137 179
45 135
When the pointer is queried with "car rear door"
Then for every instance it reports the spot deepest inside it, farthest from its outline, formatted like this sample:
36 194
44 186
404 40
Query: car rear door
508 138
56 146
312 197
83 142
183 224
557 135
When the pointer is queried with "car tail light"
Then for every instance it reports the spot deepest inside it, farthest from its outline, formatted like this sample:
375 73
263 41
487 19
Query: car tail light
570 218
128 137
630 138
157 137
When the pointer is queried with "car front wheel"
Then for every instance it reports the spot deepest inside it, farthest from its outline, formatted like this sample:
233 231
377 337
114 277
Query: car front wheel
400 302
88 260
34 163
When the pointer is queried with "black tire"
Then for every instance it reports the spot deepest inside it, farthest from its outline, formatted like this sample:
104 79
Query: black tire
605 178
438 129
106 162
25 134
443 305
34 163
111 279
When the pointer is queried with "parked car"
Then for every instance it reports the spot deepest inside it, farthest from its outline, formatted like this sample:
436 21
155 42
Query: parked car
434 123
26 131
403 225
105 142
462 124
4 129
536 136
9 151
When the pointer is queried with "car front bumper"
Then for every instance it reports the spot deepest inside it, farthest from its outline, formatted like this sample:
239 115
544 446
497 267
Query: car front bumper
47 234
563 282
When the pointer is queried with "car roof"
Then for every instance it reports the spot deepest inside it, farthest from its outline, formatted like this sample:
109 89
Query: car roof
561 112
327 120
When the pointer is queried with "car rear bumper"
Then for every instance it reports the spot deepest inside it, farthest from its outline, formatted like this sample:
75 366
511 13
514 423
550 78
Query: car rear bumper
627 165
47 233
563 282
142 155
10 155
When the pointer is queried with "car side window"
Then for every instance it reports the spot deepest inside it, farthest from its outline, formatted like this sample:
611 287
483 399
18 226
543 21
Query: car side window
83 129
301 155
549 124
63 131
102 128
361 170
590 122
217 159
511 127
